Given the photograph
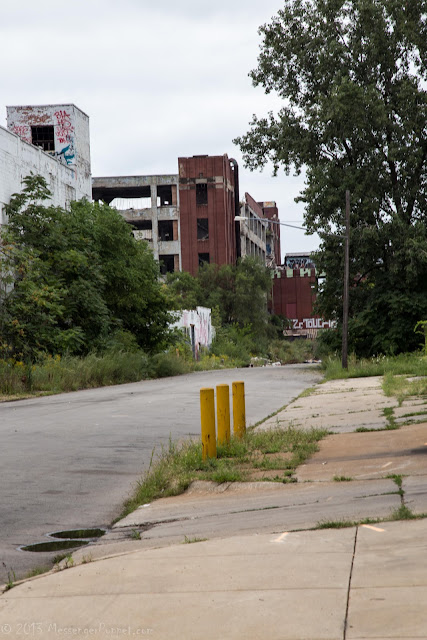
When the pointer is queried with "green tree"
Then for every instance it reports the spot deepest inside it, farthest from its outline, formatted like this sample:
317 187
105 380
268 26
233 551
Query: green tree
71 278
352 78
237 295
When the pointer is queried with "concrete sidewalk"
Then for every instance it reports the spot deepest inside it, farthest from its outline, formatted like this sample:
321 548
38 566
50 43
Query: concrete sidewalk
261 573
355 583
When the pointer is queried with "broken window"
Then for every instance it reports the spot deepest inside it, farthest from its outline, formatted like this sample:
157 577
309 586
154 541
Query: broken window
143 229
202 229
142 224
44 137
167 264
164 195
201 193
203 259
165 230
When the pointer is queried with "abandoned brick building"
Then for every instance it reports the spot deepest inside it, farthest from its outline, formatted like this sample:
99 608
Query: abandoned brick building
195 216
191 217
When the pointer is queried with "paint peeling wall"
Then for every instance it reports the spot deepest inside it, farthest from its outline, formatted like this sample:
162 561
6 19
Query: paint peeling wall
71 137
198 327
18 159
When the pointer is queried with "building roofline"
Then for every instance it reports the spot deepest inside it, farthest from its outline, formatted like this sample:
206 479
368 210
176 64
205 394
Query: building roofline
35 106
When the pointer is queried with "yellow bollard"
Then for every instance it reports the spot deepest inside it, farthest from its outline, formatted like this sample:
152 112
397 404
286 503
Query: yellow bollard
239 412
207 414
223 413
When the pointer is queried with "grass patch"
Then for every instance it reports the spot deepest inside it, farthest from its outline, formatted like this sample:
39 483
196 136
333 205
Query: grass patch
401 388
335 524
403 513
58 374
176 466
193 540
307 392
37 571
411 364
342 479
389 415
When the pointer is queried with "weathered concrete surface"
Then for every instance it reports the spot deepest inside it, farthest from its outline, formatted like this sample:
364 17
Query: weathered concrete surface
362 582
70 460
369 455
247 587
287 586
338 405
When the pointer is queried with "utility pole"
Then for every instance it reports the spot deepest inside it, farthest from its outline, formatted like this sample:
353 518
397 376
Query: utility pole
344 361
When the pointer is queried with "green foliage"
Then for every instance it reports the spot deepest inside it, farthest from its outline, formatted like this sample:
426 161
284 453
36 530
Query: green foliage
352 78
422 324
176 466
238 298
71 279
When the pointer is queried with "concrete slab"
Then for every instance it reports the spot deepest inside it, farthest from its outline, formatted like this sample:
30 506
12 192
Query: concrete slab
403 534
369 455
276 614
258 500
415 488
339 405
260 587
387 612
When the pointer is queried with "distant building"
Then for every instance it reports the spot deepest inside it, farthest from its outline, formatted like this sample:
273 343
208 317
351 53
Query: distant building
253 229
209 202
197 326
47 140
273 250
299 261
150 204
194 217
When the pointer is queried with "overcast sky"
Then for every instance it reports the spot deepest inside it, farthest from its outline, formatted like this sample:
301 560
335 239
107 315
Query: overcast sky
158 79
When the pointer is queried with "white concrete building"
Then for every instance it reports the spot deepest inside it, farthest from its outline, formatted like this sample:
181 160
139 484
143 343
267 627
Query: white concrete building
197 326
150 204
51 141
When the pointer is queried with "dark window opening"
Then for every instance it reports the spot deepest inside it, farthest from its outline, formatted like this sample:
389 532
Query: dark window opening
44 137
142 225
165 230
203 259
164 195
167 264
201 193
202 229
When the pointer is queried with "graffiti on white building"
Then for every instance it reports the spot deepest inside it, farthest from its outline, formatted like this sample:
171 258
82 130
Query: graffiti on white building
197 325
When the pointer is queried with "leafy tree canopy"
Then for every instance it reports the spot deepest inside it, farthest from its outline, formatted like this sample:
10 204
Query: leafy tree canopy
237 294
70 279
353 76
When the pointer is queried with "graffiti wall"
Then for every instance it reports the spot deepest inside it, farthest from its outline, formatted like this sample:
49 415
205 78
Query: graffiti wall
198 328
62 131
299 261
64 137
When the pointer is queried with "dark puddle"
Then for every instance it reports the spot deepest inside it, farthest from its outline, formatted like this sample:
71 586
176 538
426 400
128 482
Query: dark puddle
55 545
69 539
78 534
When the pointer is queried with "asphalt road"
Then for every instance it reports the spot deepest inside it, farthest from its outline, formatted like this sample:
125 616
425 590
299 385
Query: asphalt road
69 461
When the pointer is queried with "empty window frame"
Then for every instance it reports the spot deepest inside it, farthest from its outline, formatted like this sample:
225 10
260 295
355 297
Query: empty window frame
142 225
44 137
202 229
164 195
203 259
167 264
165 230
201 193
142 229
